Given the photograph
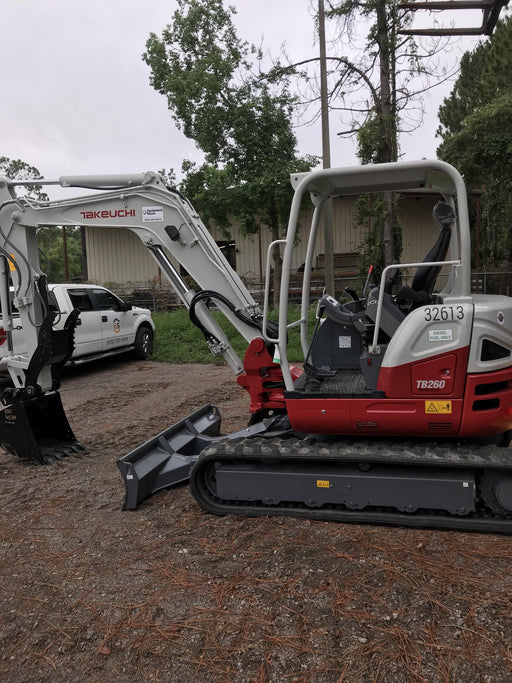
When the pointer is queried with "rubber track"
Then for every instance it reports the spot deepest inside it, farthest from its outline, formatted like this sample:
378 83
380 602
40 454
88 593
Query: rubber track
269 451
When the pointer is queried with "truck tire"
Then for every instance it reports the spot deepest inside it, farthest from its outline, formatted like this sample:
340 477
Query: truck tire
143 346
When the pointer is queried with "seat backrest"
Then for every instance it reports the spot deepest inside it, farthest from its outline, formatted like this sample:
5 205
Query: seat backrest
426 276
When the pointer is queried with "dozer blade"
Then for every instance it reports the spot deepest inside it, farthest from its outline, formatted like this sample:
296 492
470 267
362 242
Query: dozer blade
37 429
167 458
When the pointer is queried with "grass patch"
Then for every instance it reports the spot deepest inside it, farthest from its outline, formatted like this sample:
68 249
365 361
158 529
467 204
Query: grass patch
177 340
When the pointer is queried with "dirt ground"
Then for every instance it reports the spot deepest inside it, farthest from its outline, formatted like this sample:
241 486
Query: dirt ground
92 593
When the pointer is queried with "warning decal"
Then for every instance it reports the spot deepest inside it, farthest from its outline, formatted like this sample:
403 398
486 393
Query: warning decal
437 407
322 484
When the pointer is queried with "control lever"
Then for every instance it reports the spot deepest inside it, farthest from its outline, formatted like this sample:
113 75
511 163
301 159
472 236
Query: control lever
353 294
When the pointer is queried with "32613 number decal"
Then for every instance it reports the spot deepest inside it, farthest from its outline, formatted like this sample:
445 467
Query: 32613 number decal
443 313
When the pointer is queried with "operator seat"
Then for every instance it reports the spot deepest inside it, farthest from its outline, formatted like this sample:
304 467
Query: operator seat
422 286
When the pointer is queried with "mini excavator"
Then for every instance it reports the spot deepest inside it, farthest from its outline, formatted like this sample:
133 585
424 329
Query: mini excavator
401 412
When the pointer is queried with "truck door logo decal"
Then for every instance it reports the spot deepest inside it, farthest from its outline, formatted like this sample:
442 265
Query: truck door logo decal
117 325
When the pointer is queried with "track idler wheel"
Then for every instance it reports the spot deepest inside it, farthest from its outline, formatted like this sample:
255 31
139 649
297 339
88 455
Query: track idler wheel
496 491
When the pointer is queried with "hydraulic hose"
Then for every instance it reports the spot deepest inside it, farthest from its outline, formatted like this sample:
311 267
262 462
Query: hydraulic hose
255 321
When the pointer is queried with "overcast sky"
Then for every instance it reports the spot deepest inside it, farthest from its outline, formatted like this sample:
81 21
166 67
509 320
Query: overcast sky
76 96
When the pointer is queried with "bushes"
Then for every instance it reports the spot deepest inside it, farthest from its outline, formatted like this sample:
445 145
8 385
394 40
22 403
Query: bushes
177 340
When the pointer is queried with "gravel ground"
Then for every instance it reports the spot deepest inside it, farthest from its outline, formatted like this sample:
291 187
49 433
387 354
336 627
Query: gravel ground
92 593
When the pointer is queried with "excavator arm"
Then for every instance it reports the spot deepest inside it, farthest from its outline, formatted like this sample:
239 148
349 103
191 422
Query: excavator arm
166 225
169 229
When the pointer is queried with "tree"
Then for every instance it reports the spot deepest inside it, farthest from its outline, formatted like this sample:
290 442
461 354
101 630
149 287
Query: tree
485 73
482 150
377 94
52 252
50 240
15 169
476 128
240 122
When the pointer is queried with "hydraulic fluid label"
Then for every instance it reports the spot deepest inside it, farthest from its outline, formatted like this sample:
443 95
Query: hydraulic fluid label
438 407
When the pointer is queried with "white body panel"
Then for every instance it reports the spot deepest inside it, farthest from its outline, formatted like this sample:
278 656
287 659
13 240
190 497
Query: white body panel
430 331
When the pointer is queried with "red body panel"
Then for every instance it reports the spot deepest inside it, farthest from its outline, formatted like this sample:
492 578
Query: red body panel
379 417
263 379
487 403
443 375
433 397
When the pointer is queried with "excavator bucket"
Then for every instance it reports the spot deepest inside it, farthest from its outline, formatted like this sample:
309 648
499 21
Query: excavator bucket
167 458
37 429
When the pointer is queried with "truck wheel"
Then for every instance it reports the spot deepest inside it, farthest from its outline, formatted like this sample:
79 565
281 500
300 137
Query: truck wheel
143 343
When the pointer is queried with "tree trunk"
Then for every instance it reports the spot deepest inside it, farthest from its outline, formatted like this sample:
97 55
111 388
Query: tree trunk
388 146
391 238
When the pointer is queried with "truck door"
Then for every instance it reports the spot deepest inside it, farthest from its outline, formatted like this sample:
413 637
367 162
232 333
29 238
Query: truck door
117 325
88 338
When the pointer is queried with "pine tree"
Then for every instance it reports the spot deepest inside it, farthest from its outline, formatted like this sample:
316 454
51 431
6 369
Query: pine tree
476 128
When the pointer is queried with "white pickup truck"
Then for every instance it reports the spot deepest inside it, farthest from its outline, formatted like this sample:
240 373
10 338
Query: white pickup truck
106 325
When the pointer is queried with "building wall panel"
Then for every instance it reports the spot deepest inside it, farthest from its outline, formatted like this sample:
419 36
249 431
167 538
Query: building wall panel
117 255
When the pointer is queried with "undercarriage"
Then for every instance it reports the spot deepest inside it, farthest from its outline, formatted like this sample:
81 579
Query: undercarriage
447 485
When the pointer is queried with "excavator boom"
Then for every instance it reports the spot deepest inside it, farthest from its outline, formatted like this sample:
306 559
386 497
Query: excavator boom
34 425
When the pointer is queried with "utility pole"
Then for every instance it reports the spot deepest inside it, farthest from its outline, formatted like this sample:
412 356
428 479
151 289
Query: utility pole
65 253
326 153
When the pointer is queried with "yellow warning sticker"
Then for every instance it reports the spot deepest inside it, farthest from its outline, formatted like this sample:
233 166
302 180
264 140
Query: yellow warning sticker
12 265
322 484
437 407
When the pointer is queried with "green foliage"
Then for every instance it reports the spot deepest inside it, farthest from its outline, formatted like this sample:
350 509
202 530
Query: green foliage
51 253
15 169
177 340
373 137
194 65
482 150
378 213
485 73
169 176
385 68
476 127
372 212
49 239
214 195
241 122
